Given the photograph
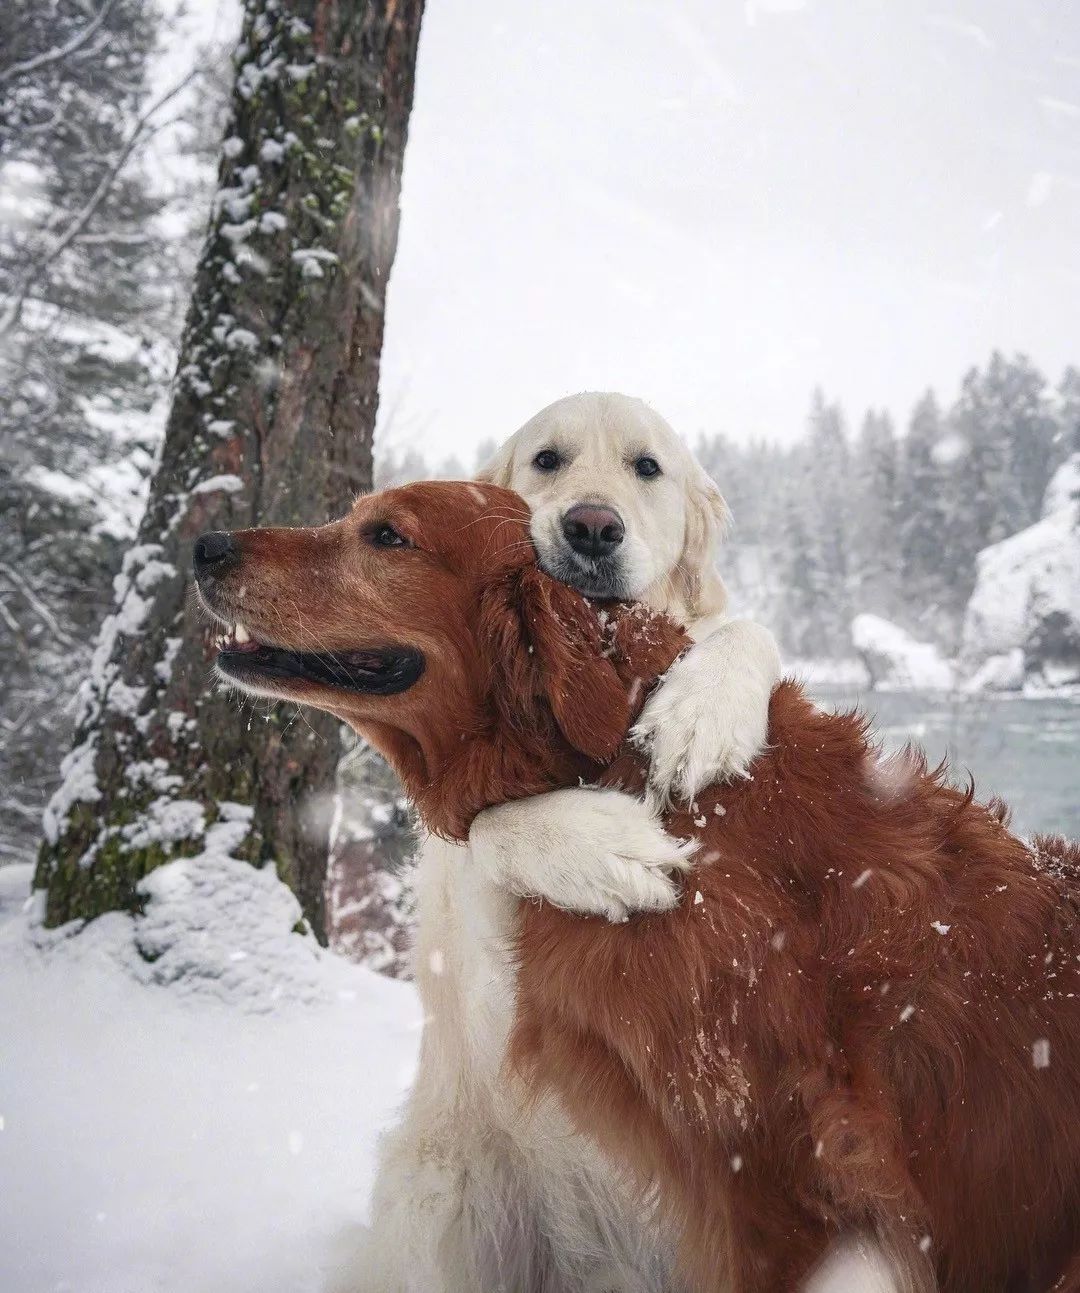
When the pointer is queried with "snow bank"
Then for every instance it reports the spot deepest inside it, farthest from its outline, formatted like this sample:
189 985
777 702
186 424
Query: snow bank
190 1099
1027 591
1003 672
895 659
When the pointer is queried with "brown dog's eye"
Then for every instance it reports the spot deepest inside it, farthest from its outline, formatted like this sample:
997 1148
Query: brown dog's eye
547 460
385 536
647 467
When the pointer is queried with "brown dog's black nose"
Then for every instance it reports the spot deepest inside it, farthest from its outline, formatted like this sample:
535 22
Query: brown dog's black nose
592 530
214 553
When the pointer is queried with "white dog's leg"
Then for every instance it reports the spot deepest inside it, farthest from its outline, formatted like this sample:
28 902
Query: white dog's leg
708 719
594 852
416 1242
416 1208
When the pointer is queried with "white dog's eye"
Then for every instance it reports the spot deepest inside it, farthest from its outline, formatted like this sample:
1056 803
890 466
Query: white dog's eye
646 466
547 460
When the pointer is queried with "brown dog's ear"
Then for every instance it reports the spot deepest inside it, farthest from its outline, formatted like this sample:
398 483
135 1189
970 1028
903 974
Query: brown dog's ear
547 644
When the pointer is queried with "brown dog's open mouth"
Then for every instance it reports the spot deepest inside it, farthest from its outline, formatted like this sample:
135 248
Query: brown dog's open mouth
378 671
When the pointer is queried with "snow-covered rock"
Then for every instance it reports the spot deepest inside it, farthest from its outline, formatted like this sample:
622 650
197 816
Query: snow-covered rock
998 673
1027 591
896 660
1064 487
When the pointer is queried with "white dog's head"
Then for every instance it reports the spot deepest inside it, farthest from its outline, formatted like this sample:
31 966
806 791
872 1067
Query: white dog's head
620 507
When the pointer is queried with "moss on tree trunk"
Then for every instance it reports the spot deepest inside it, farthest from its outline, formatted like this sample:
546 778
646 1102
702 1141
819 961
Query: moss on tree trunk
272 420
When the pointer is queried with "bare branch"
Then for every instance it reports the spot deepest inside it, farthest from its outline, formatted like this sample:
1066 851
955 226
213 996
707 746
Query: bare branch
36 603
113 239
32 812
9 619
57 55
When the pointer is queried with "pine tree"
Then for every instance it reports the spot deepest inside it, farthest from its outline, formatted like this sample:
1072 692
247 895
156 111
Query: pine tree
799 625
921 522
875 540
84 354
1003 428
1023 421
828 482
271 423
974 459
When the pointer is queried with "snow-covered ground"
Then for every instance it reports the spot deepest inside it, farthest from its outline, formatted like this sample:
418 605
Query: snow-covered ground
203 1122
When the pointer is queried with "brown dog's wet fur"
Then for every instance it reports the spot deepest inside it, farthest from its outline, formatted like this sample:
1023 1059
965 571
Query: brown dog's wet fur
863 1017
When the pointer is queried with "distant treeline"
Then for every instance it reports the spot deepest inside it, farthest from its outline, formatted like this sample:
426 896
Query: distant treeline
887 522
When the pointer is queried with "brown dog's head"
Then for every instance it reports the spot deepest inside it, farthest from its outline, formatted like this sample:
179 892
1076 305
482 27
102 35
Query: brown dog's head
422 620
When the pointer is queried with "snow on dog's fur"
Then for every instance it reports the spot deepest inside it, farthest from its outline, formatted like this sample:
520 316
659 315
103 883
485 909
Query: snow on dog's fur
863 1018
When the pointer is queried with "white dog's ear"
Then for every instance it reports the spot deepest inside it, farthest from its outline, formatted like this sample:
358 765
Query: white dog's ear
708 519
500 469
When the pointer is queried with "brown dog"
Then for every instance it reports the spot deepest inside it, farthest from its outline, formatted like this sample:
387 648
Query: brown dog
865 1014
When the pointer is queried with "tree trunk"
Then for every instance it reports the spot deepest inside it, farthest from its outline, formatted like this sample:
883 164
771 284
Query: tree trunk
272 421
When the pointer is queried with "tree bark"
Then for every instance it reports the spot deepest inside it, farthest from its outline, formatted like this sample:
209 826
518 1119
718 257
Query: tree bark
272 420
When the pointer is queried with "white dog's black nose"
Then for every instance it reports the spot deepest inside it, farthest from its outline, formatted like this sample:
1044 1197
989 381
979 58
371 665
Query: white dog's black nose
592 530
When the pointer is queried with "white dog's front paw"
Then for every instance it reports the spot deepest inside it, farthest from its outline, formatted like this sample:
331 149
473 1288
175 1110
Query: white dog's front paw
593 852
696 732
625 861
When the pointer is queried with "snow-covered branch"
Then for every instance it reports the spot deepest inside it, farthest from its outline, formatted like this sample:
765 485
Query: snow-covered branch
16 71
17 299
36 604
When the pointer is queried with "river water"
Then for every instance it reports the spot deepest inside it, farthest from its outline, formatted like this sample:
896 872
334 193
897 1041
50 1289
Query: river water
1027 750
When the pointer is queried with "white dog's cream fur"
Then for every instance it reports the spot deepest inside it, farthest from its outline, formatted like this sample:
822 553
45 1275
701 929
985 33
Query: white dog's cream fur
479 1191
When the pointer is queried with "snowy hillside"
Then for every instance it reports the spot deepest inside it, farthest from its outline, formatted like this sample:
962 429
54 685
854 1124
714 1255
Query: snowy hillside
1027 593
198 1122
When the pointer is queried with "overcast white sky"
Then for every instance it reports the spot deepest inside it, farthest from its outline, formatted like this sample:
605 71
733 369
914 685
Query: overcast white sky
716 204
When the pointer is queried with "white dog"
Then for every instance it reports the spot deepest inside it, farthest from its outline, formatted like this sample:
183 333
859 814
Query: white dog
479 1191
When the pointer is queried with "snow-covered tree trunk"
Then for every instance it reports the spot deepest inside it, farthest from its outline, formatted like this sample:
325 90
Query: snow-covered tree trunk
370 897
271 423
